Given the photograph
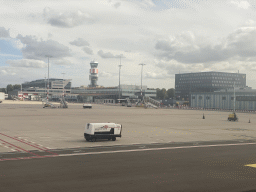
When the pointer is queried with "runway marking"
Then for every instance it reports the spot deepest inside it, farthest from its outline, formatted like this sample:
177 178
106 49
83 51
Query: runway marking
154 149
251 165
28 143
20 148
126 151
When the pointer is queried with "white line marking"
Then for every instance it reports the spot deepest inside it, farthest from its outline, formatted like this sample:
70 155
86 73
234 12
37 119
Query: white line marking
155 149
13 149
6 147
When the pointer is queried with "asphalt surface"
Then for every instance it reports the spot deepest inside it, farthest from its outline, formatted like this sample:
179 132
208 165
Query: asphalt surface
160 150
208 166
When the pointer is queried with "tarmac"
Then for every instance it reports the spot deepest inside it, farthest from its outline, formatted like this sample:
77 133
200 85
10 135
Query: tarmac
26 126
43 149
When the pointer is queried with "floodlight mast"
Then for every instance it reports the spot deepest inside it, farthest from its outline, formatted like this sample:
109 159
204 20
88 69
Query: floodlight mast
234 98
141 78
119 77
21 89
48 79
63 92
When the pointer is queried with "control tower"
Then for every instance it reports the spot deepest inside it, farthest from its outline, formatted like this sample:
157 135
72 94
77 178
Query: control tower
93 74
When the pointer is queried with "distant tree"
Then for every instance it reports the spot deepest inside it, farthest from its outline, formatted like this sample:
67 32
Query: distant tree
3 90
161 93
158 93
16 86
9 88
171 93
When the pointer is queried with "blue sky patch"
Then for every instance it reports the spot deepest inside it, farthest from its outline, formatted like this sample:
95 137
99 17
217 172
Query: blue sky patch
8 52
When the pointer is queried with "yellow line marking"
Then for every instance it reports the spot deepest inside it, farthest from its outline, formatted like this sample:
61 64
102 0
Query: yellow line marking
251 165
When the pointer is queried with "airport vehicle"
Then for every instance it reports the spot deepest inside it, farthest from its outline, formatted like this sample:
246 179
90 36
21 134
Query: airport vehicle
232 117
2 97
87 106
94 131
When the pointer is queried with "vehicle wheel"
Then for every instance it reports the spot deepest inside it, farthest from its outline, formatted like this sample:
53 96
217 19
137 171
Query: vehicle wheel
87 140
113 138
93 139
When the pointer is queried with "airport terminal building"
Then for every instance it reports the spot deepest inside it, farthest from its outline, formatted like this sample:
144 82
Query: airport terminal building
187 83
37 90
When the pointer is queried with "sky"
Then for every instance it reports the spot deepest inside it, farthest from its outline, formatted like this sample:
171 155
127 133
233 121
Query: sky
169 36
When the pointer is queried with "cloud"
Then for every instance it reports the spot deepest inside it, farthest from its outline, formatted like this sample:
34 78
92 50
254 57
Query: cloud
7 71
41 49
9 55
50 35
188 49
88 50
153 75
66 19
146 3
61 62
4 33
241 4
27 63
79 42
109 55
116 5
105 74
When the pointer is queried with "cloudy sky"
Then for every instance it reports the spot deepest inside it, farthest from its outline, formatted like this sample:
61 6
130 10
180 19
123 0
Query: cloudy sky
169 36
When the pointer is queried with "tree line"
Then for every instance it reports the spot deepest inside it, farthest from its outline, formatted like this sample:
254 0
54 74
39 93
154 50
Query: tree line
165 94
10 87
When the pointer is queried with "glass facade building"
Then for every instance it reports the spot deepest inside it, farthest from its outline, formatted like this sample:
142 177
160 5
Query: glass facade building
187 83
53 83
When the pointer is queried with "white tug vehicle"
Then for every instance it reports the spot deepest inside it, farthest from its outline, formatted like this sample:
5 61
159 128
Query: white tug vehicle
94 131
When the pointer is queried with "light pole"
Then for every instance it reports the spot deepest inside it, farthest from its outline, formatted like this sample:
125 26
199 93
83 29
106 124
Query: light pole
119 78
45 85
234 97
48 79
141 78
63 85
21 89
